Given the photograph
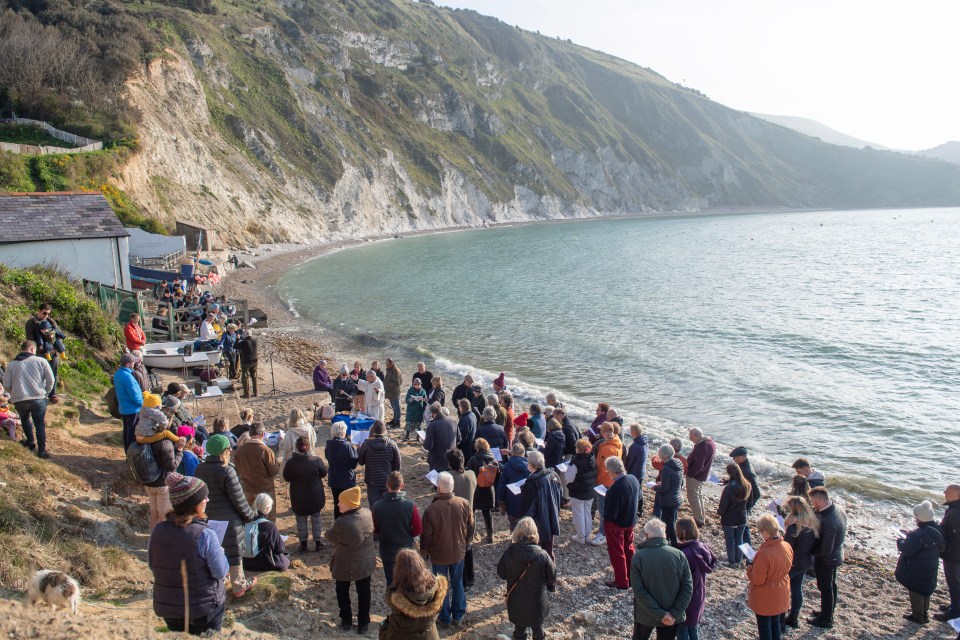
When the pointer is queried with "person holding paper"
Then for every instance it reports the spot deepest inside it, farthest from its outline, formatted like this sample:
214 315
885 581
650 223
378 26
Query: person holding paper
514 470
769 578
702 563
669 489
581 478
698 468
919 563
442 436
827 554
739 456
416 401
619 519
609 446
464 486
662 585
802 530
448 528
379 455
487 471
184 537
344 390
733 513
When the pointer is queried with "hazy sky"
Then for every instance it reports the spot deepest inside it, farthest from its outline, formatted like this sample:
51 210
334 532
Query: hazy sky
880 70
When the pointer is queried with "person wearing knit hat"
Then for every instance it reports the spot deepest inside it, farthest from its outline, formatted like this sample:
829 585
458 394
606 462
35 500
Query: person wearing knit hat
217 444
354 558
499 383
919 562
184 538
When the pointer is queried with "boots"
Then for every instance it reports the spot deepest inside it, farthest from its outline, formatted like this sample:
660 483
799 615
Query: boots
303 546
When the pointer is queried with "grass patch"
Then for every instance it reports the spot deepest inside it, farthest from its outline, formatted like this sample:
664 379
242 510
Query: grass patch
29 134
274 586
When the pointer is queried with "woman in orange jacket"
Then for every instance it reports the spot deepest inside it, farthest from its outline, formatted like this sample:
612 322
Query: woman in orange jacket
769 576
608 446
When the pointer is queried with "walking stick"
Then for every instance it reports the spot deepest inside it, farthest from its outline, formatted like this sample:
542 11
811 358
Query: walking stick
186 597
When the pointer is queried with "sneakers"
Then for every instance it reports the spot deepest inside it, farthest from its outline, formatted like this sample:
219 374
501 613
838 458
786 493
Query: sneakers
578 539
598 540
249 584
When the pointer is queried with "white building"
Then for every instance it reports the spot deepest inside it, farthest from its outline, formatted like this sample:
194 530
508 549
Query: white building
76 233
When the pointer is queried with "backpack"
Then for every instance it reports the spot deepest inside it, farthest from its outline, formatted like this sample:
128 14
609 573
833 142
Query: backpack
113 404
142 463
251 538
487 476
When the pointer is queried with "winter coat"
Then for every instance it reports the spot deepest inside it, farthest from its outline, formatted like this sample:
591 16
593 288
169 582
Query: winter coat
437 395
733 512
150 422
553 448
227 502
802 542
702 562
636 461
134 336
607 449
342 461
828 552
271 547
305 473
416 405
129 393
228 342
513 471
468 433
816 479
621 502
289 443
354 554
397 522
540 499
168 459
700 459
769 576
442 436
919 562
349 387
537 425
321 379
661 581
379 455
670 487
950 525
448 527
247 348
413 616
392 383
464 485
750 477
257 467
484 498
585 478
529 571
197 545
494 434
425 378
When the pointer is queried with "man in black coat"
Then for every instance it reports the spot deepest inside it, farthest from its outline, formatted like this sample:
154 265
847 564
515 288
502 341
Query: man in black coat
951 555
490 431
827 554
396 521
379 456
247 348
570 433
739 456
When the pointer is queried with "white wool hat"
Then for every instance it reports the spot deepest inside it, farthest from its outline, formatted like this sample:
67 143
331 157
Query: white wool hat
924 511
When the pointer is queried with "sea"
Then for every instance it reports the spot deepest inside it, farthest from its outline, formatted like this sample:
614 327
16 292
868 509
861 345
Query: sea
832 335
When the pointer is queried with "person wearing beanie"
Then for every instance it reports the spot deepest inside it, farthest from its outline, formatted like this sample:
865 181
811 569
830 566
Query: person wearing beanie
227 503
919 562
183 538
499 383
354 558
153 425
167 450
344 390
191 452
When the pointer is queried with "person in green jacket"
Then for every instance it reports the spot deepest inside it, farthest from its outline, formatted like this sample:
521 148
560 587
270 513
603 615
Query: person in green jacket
662 585
416 404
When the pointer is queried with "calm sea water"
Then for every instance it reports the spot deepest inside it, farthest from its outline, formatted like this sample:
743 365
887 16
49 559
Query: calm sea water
830 335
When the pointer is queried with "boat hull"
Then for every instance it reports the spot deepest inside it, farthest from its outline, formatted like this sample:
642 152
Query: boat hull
169 355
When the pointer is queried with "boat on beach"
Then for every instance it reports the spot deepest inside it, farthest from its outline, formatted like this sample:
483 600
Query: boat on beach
170 355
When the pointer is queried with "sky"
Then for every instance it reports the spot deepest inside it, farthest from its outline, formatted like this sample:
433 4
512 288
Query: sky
883 71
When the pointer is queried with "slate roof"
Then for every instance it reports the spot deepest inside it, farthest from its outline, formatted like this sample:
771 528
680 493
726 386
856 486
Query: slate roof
31 217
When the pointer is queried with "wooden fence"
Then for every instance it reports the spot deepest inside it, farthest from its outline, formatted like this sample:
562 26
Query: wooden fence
86 144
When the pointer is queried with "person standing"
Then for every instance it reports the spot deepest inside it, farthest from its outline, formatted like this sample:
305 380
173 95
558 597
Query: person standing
415 597
344 390
379 455
467 426
530 574
424 376
257 467
698 470
396 521
814 478
609 446
636 460
448 528
769 577
540 498
392 384
436 394
802 530
228 345
492 432
739 456
29 379
733 513
354 559
662 585
133 333
416 401
34 333
702 563
442 436
464 486
305 473
487 471
462 391
919 562
342 459
247 348
297 427
827 554
129 397
669 489
515 470
372 389
619 519
951 555
581 478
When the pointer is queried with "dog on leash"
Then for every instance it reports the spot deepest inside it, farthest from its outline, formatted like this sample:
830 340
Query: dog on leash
55 588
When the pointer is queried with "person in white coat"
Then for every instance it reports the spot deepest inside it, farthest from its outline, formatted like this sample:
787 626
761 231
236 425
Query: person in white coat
373 394
297 426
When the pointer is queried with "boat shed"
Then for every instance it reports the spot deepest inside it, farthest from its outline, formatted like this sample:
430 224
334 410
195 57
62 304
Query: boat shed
155 251
76 233
198 238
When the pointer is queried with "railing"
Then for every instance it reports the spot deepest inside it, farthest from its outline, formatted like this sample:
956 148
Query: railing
169 324
86 144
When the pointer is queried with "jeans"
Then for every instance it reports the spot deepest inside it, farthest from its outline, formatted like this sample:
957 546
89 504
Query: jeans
669 517
951 572
827 584
695 499
363 601
33 415
212 622
129 435
796 594
769 627
582 518
685 632
620 550
314 522
375 495
733 536
455 602
395 406
643 632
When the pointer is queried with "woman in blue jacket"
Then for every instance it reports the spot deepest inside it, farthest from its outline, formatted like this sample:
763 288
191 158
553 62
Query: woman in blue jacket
514 470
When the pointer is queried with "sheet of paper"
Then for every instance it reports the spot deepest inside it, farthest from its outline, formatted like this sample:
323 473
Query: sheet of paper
747 551
432 476
219 527
780 521
539 442
955 624
497 455
713 478
562 467
422 434
284 538
898 532
774 506
602 490
651 485
516 486
357 437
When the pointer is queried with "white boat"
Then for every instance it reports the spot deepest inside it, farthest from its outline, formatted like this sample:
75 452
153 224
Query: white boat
169 355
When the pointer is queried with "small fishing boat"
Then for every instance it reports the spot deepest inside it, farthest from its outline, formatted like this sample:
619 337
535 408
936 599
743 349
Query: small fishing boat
169 355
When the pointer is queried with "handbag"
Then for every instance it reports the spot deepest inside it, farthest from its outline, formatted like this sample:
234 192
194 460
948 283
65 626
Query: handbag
510 590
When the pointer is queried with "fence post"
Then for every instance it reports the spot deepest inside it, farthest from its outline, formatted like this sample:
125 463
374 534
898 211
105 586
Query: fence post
171 323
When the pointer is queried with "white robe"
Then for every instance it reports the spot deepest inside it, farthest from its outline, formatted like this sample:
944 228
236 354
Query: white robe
372 397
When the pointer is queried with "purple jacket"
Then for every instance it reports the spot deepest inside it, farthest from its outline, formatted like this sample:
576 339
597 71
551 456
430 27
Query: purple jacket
321 379
700 459
702 561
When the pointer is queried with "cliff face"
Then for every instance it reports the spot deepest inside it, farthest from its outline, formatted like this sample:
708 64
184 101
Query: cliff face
294 120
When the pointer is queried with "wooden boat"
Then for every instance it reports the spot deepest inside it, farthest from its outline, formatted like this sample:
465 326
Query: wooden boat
169 355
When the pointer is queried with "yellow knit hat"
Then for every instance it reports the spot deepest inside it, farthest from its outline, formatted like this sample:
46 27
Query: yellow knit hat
151 400
350 498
